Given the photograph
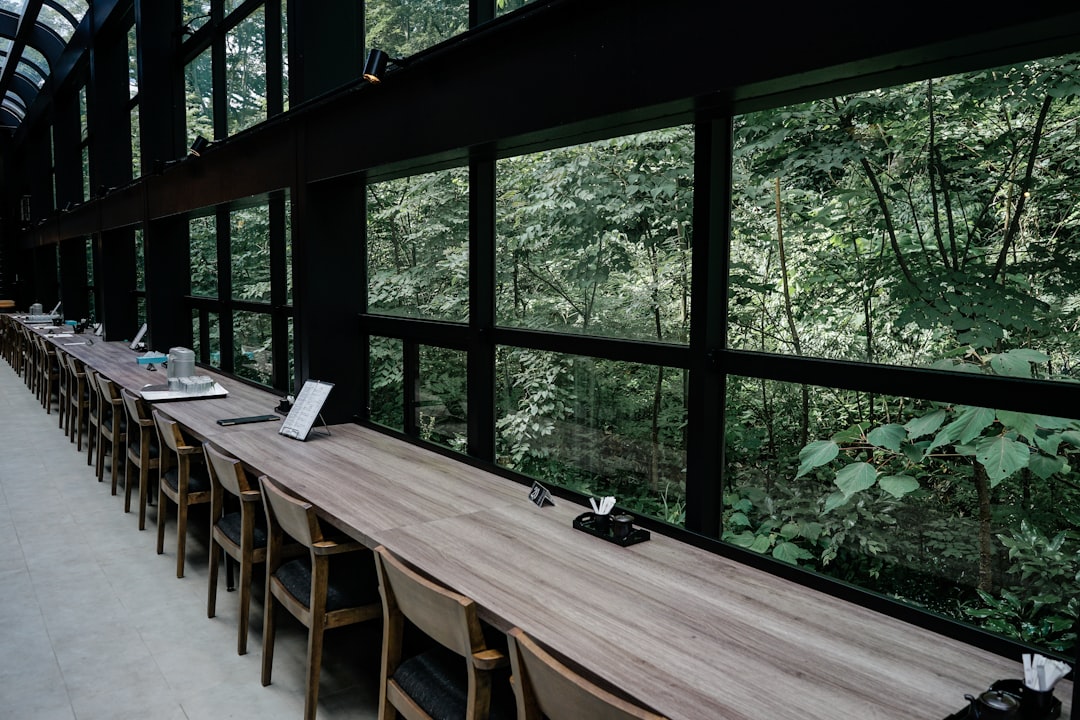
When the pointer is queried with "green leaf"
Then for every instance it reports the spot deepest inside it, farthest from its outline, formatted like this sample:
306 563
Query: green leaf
1023 423
761 543
917 427
738 519
914 453
790 553
1001 456
968 425
816 454
1044 466
888 436
744 539
834 501
855 477
898 485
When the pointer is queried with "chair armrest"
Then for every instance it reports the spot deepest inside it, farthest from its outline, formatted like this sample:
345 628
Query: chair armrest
250 496
489 659
329 547
188 450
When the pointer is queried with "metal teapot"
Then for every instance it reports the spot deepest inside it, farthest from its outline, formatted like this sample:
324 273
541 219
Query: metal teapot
994 705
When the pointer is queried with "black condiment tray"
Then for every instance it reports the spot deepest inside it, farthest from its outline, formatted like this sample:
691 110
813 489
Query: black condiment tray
1015 687
585 522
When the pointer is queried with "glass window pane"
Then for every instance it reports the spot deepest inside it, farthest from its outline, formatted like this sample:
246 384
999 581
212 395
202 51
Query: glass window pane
203 242
288 251
33 55
136 143
504 6
250 252
200 98
596 426
56 21
210 352
86 172
285 56
83 123
385 356
140 260
133 62
403 27
943 506
596 238
418 246
31 73
245 72
77 8
892 226
253 356
441 402
196 13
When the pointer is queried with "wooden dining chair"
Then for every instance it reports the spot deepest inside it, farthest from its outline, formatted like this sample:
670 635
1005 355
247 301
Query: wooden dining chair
143 453
63 380
461 674
330 584
112 430
545 687
78 400
237 530
49 374
93 414
183 478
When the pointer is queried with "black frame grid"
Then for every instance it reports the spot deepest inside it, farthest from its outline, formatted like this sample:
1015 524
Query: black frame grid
590 78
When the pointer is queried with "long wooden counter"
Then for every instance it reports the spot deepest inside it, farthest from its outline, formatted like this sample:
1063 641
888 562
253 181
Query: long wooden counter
692 634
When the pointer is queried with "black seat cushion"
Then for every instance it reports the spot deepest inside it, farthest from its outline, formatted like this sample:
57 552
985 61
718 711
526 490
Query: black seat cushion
198 480
351 584
136 446
230 525
437 680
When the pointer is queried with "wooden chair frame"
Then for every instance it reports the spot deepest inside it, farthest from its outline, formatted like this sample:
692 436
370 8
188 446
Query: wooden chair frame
445 616
113 431
140 439
544 687
289 516
227 476
176 453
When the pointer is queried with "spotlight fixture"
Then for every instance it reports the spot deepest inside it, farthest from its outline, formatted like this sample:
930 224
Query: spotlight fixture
376 64
199 146
69 206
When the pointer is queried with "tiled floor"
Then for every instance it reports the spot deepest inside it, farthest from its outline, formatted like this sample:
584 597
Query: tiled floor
95 625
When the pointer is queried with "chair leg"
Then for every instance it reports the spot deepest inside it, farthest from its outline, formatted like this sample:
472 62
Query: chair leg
162 516
181 535
128 482
268 635
314 665
245 605
144 496
211 595
115 466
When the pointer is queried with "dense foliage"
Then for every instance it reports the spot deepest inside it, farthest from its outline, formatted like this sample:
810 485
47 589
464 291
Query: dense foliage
933 224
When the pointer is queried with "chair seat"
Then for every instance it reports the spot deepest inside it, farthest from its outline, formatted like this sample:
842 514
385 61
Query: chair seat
438 682
230 524
198 480
349 586
135 445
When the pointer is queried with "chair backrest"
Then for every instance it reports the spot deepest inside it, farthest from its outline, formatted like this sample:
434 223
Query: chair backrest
226 470
169 432
110 391
134 406
445 616
286 513
543 684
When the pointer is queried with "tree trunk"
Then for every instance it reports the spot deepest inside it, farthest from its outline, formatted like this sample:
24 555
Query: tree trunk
804 419
986 547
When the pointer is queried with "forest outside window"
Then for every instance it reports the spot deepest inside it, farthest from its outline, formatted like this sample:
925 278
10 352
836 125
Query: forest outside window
598 427
930 224
441 401
964 511
386 382
245 72
596 238
404 27
418 246
202 238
